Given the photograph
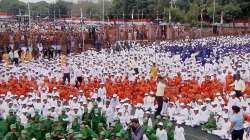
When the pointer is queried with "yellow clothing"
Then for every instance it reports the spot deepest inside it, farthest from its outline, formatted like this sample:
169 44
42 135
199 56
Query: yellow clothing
23 56
6 59
154 72
63 59
28 56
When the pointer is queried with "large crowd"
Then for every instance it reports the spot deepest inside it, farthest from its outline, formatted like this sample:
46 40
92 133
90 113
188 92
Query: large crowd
114 94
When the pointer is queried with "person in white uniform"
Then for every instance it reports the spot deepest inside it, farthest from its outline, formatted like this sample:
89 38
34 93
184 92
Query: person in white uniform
161 133
179 133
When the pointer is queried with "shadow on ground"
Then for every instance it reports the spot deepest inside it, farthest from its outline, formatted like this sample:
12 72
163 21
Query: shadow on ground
197 134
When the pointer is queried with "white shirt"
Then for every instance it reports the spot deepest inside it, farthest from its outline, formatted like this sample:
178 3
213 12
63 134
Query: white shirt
161 134
160 89
16 55
78 72
239 85
11 54
66 69
179 133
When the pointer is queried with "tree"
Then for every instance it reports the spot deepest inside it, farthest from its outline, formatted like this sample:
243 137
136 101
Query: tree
60 8
177 15
193 14
40 9
231 11
12 6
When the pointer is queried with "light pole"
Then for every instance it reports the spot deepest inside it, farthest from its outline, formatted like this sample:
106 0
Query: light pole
54 11
82 30
29 13
214 12
103 11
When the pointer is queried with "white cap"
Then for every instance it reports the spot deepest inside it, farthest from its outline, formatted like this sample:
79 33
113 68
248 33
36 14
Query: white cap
196 108
117 107
232 93
160 123
80 91
208 99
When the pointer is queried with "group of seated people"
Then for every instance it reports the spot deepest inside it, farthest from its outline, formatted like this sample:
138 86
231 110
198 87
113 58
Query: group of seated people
117 96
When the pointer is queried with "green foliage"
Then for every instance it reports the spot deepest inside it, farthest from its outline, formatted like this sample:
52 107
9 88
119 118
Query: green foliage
192 14
183 11
177 15
231 11
211 124
12 6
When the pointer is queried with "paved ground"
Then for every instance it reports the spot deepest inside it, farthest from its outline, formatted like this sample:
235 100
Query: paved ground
197 134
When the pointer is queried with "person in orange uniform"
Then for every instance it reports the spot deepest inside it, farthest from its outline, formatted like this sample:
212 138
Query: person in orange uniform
229 81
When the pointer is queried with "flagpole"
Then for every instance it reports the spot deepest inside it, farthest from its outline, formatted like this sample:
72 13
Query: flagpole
214 13
82 30
201 24
201 18
123 16
54 11
29 13
169 15
132 16
103 11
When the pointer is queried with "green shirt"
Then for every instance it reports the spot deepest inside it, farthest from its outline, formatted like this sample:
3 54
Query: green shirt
11 136
3 128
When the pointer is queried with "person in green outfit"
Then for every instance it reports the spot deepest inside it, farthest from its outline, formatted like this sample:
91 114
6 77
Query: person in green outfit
118 126
24 135
150 134
70 134
96 119
80 137
58 132
11 118
75 124
102 135
12 135
19 126
37 116
41 126
118 136
63 118
101 128
28 127
86 116
3 128
48 136
49 123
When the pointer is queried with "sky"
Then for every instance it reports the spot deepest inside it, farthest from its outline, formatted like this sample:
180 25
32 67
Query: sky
50 1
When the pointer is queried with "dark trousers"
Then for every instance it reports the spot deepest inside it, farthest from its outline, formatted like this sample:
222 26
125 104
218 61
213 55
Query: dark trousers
66 76
136 70
159 100
78 81
238 93
58 52
237 134
51 54
15 61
